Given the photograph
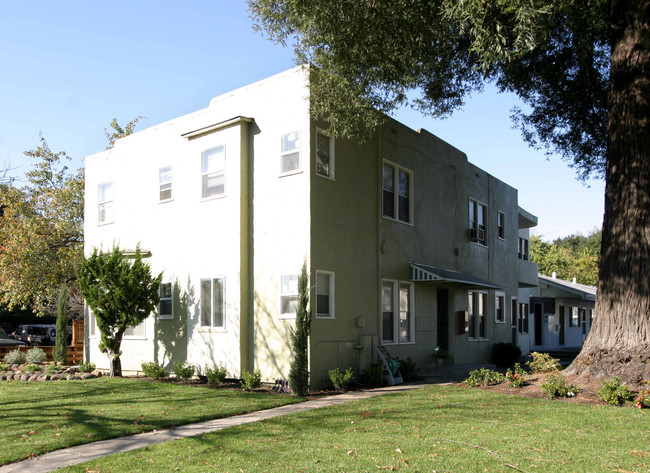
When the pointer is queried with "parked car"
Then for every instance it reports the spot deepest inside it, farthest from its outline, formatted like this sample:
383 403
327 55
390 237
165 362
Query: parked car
7 341
35 335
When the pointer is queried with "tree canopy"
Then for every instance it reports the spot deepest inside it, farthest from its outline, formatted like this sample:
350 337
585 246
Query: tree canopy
41 233
41 229
369 57
581 68
121 293
574 256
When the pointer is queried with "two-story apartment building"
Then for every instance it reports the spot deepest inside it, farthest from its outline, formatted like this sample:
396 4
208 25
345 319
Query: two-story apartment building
408 244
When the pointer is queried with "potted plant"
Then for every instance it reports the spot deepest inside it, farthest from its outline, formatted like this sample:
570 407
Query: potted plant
441 357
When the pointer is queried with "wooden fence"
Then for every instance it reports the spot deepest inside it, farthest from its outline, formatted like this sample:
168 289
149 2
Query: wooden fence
75 349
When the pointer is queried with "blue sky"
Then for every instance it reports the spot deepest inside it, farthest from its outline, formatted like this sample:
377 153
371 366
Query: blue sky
69 67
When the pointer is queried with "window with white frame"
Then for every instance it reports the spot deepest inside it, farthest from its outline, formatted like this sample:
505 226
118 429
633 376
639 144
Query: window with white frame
397 312
522 321
500 307
105 213
288 295
92 324
324 294
165 306
574 320
213 172
477 222
212 303
165 183
501 225
324 155
290 152
139 331
476 307
397 190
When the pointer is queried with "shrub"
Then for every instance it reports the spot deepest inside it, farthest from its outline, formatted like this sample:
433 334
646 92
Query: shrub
555 386
516 377
373 375
32 367
340 380
183 370
613 393
86 367
484 377
644 399
505 354
299 336
15 357
3 367
250 381
152 369
543 363
36 355
215 375
407 369
53 367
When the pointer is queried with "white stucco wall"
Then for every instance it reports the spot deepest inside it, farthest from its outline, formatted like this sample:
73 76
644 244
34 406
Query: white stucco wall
191 238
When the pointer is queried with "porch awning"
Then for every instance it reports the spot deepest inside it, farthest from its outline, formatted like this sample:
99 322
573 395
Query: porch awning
423 273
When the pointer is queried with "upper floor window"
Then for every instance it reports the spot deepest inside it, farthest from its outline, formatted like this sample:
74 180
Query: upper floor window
324 155
288 295
324 294
476 307
501 225
105 212
523 249
165 183
165 306
212 303
477 221
213 172
396 192
290 152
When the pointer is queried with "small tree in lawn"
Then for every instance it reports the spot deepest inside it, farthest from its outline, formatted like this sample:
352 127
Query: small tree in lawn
121 294
61 344
299 373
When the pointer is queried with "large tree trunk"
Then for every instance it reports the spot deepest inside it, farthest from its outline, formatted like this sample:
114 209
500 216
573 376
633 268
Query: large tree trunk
619 341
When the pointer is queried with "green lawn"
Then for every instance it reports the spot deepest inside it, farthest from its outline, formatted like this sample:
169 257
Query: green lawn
40 417
442 429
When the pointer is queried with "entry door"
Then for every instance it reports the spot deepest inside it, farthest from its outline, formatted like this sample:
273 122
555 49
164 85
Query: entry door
443 319
539 313
513 322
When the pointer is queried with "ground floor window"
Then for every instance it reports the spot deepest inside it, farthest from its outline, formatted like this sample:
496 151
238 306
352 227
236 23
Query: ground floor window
500 307
165 306
324 294
397 312
522 321
476 308
288 295
212 303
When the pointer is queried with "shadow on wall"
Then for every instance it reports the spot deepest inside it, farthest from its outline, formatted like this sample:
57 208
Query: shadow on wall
170 335
272 340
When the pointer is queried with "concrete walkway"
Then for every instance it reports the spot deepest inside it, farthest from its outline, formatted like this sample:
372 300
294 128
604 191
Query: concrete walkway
81 453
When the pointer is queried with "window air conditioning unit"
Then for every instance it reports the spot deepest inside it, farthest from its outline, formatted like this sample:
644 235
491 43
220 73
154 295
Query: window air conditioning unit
477 234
